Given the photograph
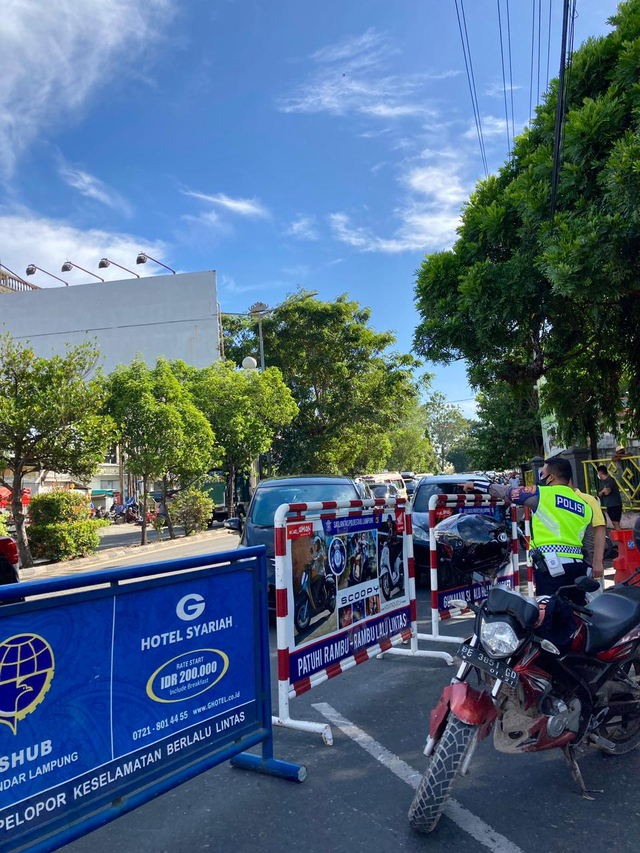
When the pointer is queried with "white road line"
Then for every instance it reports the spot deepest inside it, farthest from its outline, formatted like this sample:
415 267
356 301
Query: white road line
457 813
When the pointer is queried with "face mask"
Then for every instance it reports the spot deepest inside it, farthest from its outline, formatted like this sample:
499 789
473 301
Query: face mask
543 481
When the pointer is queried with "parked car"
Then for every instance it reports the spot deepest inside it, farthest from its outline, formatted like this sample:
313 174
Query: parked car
387 477
438 484
384 490
257 527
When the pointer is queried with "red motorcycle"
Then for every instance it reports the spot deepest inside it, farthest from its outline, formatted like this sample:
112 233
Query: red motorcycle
551 675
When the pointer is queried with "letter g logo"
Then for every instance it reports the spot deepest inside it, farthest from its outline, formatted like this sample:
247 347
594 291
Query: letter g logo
190 607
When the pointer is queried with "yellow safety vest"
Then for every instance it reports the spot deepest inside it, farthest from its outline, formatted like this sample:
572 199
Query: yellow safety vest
559 522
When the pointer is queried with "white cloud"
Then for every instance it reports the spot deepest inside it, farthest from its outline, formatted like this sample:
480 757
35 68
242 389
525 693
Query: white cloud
428 216
55 56
92 187
304 228
49 242
441 183
349 78
497 90
250 207
491 126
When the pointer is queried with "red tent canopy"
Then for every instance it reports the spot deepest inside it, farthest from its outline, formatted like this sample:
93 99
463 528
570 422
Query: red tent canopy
5 497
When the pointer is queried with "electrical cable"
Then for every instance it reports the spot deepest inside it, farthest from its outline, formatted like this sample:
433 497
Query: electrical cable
549 42
513 125
539 40
475 91
560 105
471 82
504 81
533 41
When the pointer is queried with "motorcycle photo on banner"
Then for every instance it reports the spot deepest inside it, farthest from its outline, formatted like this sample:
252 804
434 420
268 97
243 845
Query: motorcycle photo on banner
546 674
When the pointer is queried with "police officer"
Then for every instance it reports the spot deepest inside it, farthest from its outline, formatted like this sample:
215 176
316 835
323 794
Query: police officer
560 525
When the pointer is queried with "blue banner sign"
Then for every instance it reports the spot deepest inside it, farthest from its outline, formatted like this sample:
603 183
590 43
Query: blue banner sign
102 693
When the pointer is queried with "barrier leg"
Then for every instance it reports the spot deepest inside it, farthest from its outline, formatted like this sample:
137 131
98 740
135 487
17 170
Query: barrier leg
269 765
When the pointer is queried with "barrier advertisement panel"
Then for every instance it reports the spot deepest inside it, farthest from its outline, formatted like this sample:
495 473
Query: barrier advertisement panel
99 696
349 589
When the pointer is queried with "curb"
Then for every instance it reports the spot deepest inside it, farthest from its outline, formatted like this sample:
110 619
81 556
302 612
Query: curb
111 554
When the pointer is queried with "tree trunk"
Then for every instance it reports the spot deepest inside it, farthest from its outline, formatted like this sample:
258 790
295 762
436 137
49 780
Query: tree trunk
231 482
593 440
143 540
24 550
165 490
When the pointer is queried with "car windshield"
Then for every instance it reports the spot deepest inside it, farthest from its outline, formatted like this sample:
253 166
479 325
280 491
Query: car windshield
381 491
267 500
426 490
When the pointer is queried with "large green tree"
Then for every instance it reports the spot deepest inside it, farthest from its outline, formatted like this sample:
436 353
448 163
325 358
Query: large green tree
162 432
350 388
521 296
49 419
411 449
446 425
507 431
245 409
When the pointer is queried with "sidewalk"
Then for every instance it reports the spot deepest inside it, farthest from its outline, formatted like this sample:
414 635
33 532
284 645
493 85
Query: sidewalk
108 553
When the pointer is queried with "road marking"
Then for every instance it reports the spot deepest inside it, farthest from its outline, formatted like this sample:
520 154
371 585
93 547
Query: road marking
457 813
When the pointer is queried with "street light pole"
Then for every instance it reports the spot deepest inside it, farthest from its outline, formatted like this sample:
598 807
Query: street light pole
261 343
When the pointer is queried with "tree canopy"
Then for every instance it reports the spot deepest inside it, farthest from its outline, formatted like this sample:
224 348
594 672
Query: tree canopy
446 426
245 409
50 419
520 296
350 388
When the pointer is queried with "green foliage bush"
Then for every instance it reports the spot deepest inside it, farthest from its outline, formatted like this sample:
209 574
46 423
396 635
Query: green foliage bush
53 507
4 529
61 528
192 509
65 540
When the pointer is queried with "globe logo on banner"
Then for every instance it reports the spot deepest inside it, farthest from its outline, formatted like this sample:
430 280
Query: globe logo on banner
337 557
26 670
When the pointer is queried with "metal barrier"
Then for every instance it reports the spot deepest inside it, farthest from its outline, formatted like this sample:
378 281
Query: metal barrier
131 682
511 573
371 610
625 471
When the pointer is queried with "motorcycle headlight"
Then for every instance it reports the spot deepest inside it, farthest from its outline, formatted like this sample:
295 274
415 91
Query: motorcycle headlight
420 533
499 639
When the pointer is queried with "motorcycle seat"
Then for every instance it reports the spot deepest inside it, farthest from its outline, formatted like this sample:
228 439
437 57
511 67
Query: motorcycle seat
615 613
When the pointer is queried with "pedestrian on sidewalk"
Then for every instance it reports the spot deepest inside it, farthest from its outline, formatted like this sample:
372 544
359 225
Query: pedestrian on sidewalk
610 496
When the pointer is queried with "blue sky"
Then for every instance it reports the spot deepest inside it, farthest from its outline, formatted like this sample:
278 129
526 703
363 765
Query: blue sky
281 143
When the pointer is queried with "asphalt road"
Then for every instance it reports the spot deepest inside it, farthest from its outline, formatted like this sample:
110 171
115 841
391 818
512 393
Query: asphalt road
356 799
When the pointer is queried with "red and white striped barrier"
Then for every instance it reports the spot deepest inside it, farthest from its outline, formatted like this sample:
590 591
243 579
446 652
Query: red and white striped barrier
459 502
392 624
527 540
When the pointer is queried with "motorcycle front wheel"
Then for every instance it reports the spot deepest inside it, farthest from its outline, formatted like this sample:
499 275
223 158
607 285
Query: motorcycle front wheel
444 765
385 583
302 613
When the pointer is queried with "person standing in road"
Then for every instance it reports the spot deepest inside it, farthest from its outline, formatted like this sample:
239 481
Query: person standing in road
561 525
610 496
514 480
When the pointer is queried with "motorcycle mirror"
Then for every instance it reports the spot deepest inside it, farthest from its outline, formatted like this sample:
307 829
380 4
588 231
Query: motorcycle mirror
548 646
586 584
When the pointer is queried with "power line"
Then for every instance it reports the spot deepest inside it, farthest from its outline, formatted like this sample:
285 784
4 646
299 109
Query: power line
533 41
464 38
560 106
513 126
504 81
549 42
539 40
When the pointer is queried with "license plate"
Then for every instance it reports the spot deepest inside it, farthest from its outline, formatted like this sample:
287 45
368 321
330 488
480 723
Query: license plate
496 668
